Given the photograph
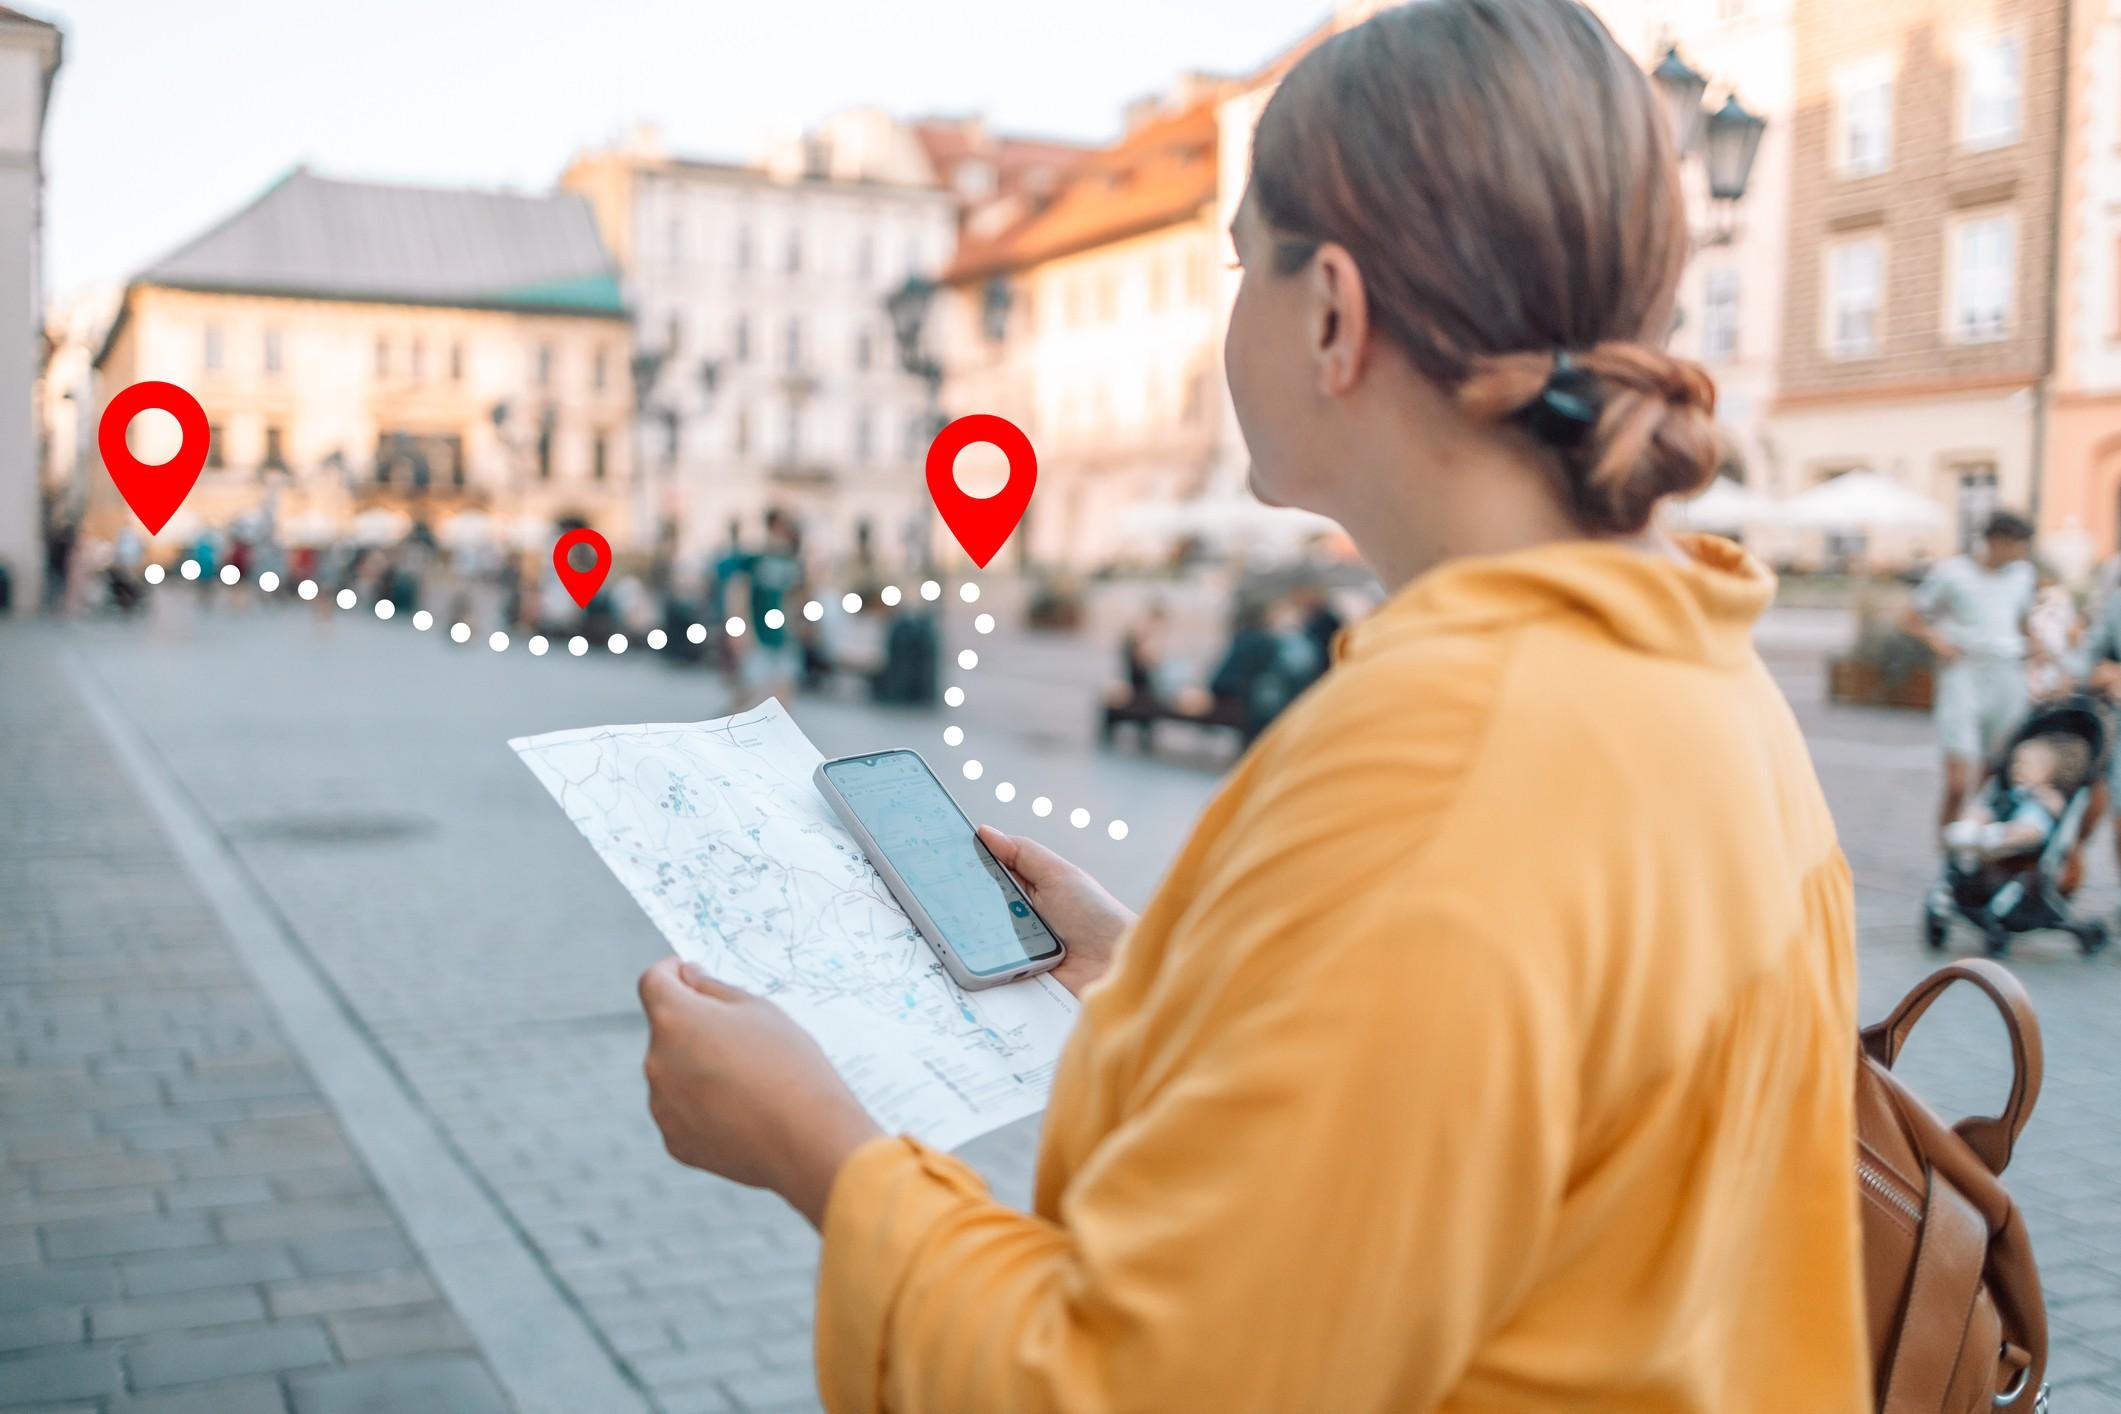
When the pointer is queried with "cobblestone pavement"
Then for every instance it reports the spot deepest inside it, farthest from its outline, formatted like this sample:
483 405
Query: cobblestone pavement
183 1229
358 773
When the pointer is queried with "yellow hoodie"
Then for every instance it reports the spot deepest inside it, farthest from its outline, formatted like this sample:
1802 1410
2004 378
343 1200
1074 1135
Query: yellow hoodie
1489 1047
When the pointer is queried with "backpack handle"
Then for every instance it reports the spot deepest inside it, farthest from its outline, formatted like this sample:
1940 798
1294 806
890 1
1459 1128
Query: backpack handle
1992 1138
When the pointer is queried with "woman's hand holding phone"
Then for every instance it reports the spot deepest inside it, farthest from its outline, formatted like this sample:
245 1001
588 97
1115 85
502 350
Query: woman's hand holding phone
1089 920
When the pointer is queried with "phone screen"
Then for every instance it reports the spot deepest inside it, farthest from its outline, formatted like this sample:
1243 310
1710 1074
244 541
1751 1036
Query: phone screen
984 918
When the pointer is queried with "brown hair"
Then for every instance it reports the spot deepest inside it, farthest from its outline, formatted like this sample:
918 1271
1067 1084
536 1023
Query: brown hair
1505 182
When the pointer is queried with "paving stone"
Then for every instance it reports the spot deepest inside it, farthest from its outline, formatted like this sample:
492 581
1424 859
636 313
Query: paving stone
219 1266
771 1388
68 1373
221 1354
429 1328
107 1171
366 1250
116 1236
458 1384
18 1245
311 1296
249 1396
27 1288
181 1311
47 1325
192 1193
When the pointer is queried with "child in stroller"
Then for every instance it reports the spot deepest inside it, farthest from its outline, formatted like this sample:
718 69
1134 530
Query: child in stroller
2005 857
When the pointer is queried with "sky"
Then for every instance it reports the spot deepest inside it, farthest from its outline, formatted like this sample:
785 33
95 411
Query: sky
169 115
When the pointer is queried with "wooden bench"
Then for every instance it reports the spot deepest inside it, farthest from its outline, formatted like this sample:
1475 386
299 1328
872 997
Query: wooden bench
1142 711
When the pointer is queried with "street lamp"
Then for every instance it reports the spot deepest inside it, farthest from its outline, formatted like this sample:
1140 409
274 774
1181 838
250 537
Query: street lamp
995 303
907 307
1733 143
1680 86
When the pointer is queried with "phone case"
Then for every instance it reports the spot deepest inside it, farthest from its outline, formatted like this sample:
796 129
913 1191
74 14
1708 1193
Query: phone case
930 933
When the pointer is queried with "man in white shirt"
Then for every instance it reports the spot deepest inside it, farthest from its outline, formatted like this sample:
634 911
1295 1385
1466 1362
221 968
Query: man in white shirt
1971 611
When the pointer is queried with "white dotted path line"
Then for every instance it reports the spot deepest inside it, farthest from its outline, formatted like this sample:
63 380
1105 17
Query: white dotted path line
734 627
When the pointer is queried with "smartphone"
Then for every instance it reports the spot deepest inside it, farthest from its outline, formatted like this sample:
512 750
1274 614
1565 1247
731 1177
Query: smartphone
969 908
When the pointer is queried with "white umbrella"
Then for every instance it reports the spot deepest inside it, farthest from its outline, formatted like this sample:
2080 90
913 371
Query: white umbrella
1862 501
1725 507
379 525
466 529
309 528
531 533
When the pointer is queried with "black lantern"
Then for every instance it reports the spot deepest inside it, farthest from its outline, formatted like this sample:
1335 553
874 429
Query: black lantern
908 307
1733 142
1681 88
994 309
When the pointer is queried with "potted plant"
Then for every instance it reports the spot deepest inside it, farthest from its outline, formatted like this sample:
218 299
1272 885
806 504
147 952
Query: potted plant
1888 666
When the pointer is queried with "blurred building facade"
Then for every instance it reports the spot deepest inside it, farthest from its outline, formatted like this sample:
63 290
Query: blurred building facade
768 369
2081 468
1094 322
422 349
1920 284
29 61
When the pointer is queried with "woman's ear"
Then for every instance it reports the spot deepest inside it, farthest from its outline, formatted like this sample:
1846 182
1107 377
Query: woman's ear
1339 322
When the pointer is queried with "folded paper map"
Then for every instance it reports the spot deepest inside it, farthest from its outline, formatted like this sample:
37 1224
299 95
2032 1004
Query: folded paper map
718 833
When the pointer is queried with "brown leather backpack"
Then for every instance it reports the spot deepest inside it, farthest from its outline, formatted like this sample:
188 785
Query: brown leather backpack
1957 1322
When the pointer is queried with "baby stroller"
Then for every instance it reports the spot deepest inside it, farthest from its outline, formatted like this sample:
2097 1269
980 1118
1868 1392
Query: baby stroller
2022 893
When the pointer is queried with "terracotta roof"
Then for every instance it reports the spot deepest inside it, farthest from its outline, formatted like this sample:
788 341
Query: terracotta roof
8 12
949 141
1162 172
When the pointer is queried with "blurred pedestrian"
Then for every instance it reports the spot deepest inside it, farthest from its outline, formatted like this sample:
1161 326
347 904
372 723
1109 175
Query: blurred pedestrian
769 659
1971 610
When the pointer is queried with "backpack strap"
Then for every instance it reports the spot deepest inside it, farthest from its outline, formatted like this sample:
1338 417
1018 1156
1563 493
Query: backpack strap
1992 1138
1949 1262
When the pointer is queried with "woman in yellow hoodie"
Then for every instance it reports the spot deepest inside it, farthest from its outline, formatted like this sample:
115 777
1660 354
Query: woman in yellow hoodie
1489 1045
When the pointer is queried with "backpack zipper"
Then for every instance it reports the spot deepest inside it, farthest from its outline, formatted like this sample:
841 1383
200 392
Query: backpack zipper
1877 1182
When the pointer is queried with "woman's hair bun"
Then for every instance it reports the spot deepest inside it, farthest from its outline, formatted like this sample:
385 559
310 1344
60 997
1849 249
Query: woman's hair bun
1654 434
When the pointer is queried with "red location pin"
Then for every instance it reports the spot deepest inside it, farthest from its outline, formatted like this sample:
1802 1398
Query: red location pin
582 584
154 490
981 523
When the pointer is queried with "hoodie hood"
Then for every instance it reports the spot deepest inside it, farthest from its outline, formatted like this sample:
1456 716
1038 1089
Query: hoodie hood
1701 607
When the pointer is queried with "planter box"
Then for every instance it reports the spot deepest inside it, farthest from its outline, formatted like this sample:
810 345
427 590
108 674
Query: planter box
1863 684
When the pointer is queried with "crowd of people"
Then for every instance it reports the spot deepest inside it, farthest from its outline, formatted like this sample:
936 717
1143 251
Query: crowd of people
762 581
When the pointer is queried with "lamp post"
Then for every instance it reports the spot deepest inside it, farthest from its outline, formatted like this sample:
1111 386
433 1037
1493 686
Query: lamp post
908 307
1726 140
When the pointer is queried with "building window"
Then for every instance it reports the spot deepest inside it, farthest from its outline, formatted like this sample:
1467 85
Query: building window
916 436
599 454
795 251
545 450
863 350
215 457
743 247
740 341
599 370
1156 284
864 433
865 255
1197 276
544 365
275 454
743 431
419 360
1989 90
274 354
456 363
792 344
1980 280
1863 118
1855 289
677 240
212 352
674 334
1108 298
1978 500
382 356
1719 314
913 258
792 434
